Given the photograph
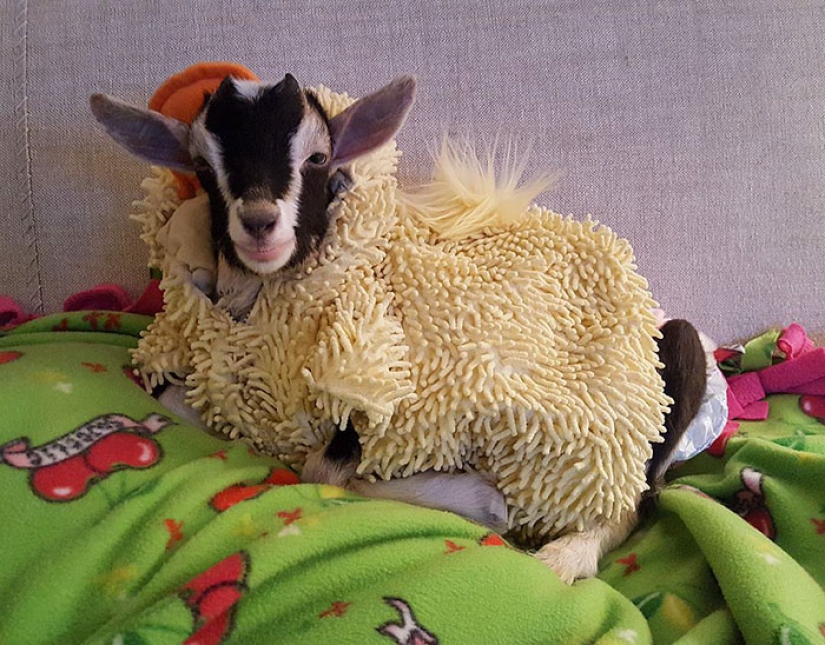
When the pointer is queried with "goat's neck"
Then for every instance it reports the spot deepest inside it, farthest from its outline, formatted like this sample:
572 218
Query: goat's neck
237 289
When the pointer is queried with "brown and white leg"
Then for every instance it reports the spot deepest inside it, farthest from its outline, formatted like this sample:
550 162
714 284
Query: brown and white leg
334 464
577 555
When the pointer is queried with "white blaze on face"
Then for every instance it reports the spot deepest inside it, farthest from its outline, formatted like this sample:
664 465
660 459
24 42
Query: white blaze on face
268 252
203 144
311 136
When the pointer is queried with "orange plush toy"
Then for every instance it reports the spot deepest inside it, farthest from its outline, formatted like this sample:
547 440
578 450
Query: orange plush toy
181 97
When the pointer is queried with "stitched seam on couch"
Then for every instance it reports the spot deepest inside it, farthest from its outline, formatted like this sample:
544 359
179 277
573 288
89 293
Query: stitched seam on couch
34 282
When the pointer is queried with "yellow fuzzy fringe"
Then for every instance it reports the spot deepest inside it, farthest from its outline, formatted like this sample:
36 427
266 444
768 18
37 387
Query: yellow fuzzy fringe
522 345
466 196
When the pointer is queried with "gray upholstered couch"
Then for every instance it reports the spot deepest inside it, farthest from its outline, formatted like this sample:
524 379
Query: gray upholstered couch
695 129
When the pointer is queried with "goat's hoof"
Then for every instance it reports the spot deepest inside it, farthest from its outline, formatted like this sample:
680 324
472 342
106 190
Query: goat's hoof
570 557
473 495
491 504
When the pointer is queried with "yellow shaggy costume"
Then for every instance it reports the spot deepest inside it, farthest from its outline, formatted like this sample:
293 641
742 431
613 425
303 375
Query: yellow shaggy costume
525 349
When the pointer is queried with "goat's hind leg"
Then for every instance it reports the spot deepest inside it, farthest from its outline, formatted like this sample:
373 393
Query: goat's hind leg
685 377
577 555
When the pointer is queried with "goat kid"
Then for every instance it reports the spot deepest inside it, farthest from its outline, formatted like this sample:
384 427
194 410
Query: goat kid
271 161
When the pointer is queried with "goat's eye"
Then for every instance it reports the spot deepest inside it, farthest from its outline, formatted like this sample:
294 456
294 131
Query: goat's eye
317 159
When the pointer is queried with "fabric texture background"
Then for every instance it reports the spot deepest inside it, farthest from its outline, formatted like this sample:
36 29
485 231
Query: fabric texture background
695 130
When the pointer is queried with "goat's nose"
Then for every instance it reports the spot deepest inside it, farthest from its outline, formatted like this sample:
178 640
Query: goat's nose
259 221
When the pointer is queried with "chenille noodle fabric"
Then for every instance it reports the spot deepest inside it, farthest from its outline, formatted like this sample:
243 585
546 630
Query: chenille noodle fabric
526 350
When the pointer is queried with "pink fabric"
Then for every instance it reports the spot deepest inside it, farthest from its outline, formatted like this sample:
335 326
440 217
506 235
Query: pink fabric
747 388
103 297
757 411
795 373
794 341
150 301
734 407
814 387
802 372
11 314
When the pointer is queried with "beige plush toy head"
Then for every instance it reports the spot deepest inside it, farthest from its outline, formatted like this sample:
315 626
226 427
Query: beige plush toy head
520 343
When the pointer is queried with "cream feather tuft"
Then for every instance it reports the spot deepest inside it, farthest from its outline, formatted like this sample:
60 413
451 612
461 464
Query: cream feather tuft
467 195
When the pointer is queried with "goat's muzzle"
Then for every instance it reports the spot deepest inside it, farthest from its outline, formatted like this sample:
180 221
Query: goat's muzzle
259 220
263 240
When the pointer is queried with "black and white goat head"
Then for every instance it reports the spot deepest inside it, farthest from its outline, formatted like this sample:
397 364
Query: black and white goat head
270 159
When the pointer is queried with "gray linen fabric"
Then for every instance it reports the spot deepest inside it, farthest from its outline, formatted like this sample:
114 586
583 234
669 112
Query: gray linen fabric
694 129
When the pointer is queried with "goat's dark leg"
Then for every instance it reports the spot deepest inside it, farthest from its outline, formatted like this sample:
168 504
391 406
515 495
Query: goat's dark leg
685 376
576 555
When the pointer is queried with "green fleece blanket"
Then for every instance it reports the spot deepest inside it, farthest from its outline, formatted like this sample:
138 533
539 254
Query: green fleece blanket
121 524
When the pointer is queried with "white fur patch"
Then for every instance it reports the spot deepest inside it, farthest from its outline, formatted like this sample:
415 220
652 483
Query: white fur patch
312 136
249 90
204 144
468 494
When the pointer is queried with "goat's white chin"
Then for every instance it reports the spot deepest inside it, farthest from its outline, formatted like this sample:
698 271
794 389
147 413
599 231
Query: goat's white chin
267 259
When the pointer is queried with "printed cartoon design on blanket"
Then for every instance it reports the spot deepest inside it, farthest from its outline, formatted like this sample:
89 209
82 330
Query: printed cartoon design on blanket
212 598
8 357
791 631
670 606
236 493
750 503
129 372
408 631
65 468
813 405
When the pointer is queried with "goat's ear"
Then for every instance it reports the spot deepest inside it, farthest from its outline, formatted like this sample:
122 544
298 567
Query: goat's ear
372 121
150 135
